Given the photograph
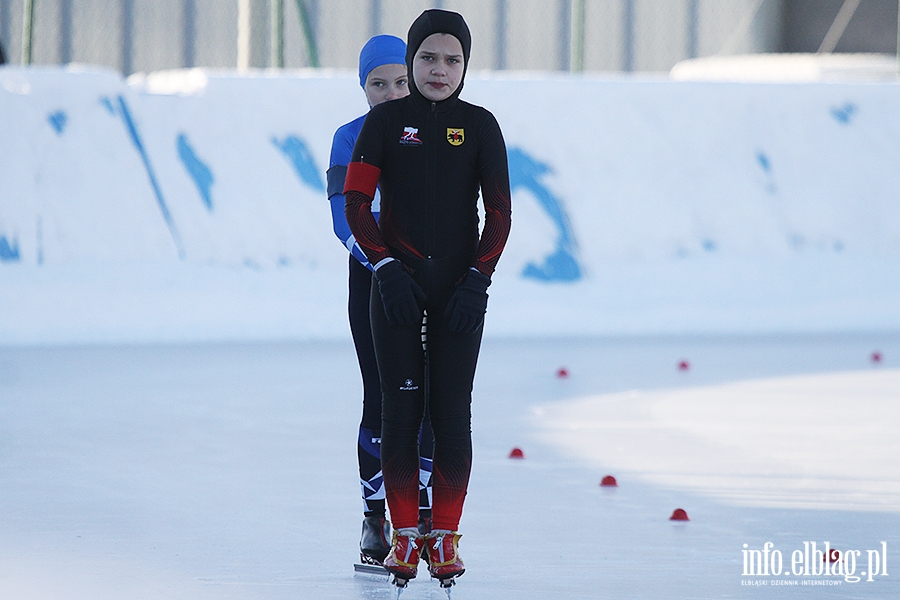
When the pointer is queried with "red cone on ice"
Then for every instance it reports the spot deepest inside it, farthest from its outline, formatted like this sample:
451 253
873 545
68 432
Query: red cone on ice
876 357
684 366
516 453
609 481
679 515
562 373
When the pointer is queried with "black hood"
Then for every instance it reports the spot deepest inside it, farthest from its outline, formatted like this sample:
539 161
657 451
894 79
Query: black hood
431 22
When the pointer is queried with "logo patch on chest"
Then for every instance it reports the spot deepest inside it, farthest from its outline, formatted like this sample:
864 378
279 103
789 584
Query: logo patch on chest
410 137
456 136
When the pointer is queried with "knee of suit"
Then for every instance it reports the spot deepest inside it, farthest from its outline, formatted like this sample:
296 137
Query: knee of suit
401 431
452 425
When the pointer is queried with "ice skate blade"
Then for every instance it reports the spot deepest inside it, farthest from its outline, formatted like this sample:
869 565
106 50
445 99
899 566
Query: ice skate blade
369 569
399 584
447 584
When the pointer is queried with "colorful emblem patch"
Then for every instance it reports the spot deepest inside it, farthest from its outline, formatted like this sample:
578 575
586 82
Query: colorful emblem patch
456 136
410 136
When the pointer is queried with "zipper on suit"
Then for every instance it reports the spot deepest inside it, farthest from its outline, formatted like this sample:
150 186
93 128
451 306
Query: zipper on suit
431 174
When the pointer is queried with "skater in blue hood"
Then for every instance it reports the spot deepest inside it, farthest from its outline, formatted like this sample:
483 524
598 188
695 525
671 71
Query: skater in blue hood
383 77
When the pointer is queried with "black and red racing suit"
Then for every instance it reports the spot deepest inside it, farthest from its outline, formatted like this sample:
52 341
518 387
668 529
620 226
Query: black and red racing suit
429 159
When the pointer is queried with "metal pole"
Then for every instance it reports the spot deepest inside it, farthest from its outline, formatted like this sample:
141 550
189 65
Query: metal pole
243 37
27 31
189 34
65 32
376 18
693 27
277 22
127 37
306 24
4 30
500 34
838 26
576 50
628 37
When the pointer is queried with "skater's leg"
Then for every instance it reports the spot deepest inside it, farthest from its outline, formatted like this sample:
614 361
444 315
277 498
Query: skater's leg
369 445
374 541
453 358
401 366
426 452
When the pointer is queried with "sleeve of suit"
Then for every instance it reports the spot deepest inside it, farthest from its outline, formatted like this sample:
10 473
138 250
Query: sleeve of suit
495 194
359 192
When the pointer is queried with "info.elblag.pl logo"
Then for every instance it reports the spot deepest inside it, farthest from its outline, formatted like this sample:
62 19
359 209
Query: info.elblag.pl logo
814 561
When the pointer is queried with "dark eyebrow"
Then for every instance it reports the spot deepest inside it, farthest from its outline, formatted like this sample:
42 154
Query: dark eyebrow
431 53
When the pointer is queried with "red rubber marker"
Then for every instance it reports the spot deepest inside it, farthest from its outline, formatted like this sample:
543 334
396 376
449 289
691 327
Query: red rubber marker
609 481
679 515
516 453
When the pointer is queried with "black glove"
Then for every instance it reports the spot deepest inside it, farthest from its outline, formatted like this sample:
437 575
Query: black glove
402 297
465 311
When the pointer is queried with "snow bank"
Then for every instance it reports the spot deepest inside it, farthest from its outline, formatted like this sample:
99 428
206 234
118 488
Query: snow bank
190 205
744 442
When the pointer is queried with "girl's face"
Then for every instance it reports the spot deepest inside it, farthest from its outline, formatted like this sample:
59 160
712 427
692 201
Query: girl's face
438 66
386 82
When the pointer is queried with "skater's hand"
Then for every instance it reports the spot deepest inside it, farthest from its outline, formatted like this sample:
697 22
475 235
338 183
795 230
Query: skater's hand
401 295
465 311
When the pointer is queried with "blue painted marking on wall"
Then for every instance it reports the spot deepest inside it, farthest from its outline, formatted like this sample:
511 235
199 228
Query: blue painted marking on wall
844 114
197 169
106 103
9 252
122 109
39 238
58 121
297 151
561 264
766 165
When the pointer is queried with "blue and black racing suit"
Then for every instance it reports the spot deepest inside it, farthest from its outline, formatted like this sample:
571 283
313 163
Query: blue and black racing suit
360 283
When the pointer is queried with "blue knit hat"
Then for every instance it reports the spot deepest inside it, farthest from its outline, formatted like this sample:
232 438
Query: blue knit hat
380 50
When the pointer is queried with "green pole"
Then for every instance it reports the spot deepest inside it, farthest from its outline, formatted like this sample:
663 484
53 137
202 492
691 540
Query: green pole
576 51
277 48
306 24
27 31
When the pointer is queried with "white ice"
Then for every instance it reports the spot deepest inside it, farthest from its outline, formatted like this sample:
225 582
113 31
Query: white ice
228 471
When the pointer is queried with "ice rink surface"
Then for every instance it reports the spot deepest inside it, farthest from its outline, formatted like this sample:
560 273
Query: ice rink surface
229 471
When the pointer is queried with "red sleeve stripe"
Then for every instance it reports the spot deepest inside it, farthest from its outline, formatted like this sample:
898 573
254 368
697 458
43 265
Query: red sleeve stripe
497 223
362 177
358 210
